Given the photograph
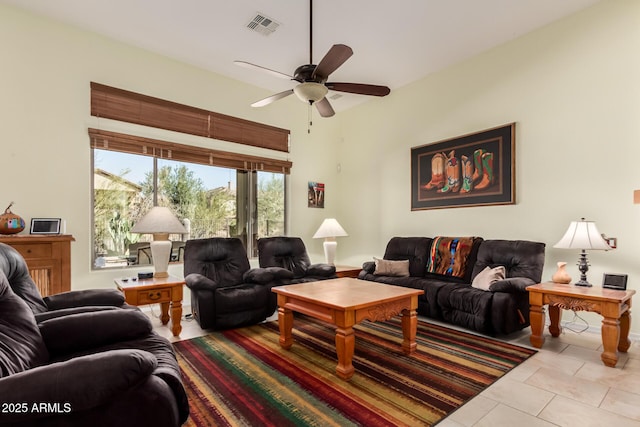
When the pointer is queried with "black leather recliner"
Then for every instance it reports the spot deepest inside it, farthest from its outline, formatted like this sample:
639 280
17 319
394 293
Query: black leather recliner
15 268
225 292
290 253
99 369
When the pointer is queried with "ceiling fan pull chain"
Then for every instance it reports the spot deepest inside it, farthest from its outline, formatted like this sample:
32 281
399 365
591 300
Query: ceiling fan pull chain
309 118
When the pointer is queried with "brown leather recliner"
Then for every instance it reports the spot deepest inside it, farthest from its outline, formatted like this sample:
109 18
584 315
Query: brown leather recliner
101 368
225 292
291 254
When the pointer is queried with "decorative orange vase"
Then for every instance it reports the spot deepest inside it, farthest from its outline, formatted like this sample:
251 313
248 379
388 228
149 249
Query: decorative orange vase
10 223
561 275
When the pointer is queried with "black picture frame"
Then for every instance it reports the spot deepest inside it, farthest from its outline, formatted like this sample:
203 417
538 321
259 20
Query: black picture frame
482 163
614 281
45 226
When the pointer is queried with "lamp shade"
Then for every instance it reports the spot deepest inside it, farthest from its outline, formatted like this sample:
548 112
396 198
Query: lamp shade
159 220
582 235
330 228
310 91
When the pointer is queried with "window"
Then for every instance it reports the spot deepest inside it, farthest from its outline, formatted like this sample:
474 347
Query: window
212 201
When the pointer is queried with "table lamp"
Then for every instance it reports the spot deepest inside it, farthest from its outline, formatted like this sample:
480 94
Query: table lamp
329 230
582 235
160 222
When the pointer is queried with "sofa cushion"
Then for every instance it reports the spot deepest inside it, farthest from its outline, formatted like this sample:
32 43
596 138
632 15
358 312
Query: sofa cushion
450 256
415 249
488 277
21 345
386 267
520 258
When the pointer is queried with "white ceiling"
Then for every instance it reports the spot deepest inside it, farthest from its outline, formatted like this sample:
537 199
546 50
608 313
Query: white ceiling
394 42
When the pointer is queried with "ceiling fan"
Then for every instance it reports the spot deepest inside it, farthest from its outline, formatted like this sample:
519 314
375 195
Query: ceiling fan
312 79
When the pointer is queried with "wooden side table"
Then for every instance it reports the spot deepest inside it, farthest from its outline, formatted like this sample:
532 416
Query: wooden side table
347 271
613 305
166 291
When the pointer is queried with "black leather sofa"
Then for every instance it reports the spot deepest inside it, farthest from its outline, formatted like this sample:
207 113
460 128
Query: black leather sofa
95 368
88 347
503 308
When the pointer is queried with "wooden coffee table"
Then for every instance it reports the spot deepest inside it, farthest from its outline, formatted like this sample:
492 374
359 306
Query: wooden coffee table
611 304
345 302
166 291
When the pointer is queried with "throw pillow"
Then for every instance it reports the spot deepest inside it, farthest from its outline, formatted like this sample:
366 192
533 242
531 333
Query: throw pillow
385 267
448 256
488 277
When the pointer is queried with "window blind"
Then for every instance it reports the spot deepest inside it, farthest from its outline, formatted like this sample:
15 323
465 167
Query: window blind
132 144
118 104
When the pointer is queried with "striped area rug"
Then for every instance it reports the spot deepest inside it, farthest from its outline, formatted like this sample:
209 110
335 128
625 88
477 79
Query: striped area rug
243 377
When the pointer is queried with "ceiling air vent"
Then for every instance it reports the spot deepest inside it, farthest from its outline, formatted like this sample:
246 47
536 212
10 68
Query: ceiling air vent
263 24
335 96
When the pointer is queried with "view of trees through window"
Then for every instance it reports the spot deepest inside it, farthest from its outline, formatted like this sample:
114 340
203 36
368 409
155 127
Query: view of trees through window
210 201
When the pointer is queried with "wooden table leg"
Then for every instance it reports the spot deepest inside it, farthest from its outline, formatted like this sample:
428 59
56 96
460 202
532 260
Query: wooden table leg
610 340
345 346
625 322
164 312
536 318
409 327
285 323
176 316
555 314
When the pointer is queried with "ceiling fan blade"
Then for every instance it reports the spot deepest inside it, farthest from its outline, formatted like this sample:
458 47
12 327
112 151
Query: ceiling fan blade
336 56
264 69
324 108
272 98
359 88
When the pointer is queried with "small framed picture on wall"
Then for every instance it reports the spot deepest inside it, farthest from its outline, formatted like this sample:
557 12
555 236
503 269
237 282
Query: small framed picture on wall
316 195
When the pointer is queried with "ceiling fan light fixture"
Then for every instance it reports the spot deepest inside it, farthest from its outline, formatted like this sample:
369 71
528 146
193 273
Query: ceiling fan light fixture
310 92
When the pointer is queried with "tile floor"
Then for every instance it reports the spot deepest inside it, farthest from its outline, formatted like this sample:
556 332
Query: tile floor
564 384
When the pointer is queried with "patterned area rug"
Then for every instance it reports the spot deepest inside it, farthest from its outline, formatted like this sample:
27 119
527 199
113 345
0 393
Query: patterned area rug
243 377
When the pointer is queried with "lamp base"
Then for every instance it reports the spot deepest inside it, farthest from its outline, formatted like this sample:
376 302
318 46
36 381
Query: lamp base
583 283
330 251
160 252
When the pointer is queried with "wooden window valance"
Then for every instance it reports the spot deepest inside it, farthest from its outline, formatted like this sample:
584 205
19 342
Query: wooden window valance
118 104
106 140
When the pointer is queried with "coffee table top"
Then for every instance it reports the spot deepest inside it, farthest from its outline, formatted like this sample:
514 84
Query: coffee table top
346 293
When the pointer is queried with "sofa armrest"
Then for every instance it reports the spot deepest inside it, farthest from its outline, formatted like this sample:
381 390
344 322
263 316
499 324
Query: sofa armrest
199 282
41 317
267 275
512 284
82 331
369 266
108 297
321 270
75 385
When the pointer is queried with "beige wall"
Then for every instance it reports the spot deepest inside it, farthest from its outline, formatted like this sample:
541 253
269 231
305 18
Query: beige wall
45 161
572 88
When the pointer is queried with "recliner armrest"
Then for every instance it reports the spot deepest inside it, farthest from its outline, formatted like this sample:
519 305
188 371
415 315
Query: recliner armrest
199 282
75 332
321 270
75 385
108 297
267 275
41 317
512 284
369 266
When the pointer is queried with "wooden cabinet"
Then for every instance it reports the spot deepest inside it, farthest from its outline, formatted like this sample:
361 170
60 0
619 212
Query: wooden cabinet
347 271
48 259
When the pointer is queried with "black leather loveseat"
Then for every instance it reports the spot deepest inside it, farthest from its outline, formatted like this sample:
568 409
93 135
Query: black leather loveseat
65 362
500 271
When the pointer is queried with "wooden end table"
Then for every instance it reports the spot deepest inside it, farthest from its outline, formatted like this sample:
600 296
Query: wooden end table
347 271
613 305
344 302
166 291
